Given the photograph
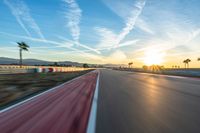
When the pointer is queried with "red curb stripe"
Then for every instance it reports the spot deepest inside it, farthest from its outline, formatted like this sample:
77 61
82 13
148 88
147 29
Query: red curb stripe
65 109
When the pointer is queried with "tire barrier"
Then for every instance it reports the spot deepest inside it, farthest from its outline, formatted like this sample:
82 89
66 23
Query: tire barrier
38 70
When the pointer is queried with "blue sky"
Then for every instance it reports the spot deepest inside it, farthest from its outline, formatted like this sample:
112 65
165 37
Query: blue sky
102 31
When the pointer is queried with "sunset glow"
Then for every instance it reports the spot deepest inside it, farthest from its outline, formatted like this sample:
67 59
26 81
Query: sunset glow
145 32
153 57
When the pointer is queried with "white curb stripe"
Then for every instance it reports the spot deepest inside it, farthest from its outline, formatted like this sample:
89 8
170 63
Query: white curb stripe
92 118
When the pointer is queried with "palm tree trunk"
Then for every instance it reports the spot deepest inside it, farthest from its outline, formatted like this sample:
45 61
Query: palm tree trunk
20 55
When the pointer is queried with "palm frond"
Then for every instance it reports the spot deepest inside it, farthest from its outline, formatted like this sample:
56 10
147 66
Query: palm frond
23 46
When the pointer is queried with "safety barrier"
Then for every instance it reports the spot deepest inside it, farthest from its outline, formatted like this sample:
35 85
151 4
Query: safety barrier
4 69
59 69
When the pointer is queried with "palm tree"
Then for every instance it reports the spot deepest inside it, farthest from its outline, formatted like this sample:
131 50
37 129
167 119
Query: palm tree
187 62
22 47
130 64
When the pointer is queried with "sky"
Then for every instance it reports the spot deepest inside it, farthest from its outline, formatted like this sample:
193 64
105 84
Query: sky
103 31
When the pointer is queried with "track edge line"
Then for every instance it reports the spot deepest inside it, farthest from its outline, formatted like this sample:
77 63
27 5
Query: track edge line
93 113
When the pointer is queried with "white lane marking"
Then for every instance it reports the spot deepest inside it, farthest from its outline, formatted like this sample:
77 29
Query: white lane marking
17 104
92 118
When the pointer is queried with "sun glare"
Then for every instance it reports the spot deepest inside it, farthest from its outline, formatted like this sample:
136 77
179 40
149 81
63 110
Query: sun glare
153 57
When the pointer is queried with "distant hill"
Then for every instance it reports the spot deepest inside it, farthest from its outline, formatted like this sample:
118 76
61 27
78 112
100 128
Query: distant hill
8 61
114 65
31 62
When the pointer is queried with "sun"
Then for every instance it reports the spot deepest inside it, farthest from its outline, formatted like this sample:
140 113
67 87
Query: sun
153 57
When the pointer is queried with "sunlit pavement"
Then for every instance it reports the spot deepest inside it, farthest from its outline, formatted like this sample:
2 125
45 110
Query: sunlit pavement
127 102
145 103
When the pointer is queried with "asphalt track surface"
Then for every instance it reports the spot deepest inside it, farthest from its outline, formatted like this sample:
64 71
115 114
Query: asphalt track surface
64 109
127 103
145 103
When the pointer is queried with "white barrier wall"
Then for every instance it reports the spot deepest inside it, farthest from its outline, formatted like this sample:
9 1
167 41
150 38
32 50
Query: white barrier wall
59 69
16 66
38 69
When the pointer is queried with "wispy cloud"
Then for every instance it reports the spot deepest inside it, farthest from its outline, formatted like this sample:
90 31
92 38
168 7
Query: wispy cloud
22 14
108 37
117 57
73 16
129 11
121 57
109 40
71 42
177 42
131 20
141 24
89 48
63 44
195 34
23 37
56 44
